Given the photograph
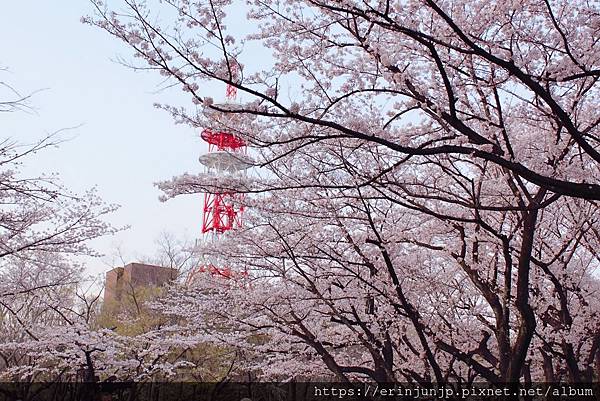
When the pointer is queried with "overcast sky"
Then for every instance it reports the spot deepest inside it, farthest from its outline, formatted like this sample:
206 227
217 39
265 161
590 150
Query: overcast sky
121 145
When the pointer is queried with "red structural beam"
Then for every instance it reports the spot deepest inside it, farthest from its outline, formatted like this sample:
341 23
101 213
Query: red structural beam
222 140
220 213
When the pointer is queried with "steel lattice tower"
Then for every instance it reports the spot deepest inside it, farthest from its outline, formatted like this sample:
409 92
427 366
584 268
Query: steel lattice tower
223 210
226 154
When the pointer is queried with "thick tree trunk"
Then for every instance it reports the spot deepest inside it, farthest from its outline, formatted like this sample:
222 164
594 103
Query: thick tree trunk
548 368
526 314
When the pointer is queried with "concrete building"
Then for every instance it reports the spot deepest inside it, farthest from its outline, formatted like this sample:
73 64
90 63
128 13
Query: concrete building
135 275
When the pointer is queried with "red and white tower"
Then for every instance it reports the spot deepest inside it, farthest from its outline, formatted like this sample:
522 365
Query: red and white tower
222 212
226 155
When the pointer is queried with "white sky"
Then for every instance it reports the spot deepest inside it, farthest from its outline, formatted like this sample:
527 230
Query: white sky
123 145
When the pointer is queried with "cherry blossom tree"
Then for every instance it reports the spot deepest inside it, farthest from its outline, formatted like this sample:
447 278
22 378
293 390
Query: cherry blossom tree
429 208
44 229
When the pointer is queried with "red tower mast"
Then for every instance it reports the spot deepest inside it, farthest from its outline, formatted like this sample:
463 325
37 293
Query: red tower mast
227 154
